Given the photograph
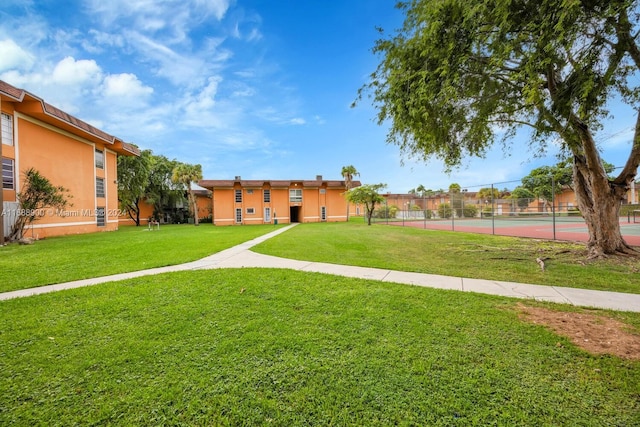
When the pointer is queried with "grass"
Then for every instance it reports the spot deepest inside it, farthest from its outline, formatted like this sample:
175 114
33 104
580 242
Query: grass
454 254
68 258
277 347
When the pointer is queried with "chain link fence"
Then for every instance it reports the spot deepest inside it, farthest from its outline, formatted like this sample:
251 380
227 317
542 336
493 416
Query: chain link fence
495 209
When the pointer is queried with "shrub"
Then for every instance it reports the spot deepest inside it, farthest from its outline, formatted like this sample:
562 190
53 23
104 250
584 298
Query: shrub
444 210
386 212
470 211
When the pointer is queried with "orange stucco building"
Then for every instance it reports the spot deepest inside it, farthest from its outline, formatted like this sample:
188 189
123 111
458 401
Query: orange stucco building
238 201
69 153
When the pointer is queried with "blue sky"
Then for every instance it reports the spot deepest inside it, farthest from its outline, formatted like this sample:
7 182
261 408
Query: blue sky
256 88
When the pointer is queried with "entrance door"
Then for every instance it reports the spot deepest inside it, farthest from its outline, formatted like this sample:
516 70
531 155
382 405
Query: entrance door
267 214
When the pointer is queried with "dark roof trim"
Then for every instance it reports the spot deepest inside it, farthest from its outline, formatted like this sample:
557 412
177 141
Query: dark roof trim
19 95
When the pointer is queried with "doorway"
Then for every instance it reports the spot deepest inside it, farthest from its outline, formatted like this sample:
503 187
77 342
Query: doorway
294 213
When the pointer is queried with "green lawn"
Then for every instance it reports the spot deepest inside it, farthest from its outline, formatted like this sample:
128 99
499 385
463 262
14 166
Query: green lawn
454 254
63 259
278 347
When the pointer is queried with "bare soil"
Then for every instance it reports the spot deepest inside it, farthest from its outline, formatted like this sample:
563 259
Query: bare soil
594 333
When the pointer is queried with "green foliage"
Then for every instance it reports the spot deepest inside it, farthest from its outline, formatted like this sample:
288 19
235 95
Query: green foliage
459 77
542 181
185 174
133 179
161 191
386 212
367 195
488 193
469 211
453 71
37 194
523 197
444 210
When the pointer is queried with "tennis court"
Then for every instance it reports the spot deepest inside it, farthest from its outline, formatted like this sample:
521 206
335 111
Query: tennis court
572 228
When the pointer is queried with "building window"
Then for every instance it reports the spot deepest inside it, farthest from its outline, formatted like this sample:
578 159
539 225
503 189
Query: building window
238 196
323 191
238 216
100 217
99 187
7 129
7 174
251 211
249 191
267 196
100 159
295 196
323 213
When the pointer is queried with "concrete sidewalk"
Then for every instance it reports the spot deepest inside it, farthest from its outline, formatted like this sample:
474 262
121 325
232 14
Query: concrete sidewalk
240 256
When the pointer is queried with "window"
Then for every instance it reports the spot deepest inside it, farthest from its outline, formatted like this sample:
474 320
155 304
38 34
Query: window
323 213
238 196
267 196
99 187
295 196
251 211
238 216
323 191
249 191
99 159
7 174
100 217
7 129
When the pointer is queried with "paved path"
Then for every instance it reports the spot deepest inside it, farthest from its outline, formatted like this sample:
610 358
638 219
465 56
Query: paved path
240 256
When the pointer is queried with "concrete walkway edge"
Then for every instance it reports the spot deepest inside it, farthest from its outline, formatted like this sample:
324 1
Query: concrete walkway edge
240 256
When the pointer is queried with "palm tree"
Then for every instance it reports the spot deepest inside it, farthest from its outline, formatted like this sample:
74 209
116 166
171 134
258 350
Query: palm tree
185 174
348 172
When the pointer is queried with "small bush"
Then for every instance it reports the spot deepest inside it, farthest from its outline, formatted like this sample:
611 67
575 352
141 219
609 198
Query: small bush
445 211
386 212
470 211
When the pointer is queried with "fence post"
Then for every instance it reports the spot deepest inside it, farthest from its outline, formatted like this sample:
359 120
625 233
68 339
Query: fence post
553 205
493 214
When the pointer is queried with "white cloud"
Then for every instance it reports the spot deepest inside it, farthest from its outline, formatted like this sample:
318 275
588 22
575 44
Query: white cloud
126 86
14 57
297 121
71 72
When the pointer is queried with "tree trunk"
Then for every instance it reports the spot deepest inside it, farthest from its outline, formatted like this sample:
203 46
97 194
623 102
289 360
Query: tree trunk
598 197
599 201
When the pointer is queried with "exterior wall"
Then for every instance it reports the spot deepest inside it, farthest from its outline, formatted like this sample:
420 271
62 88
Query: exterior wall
63 150
146 212
223 205
204 206
280 205
78 176
318 198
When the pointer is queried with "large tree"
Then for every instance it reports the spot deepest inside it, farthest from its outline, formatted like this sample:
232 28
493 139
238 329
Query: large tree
133 178
186 174
161 191
367 195
458 75
546 182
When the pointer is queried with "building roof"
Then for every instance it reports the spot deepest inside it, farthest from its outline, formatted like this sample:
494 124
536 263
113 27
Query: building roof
212 184
34 106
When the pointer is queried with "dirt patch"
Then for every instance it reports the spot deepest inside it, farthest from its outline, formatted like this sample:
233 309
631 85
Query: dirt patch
596 334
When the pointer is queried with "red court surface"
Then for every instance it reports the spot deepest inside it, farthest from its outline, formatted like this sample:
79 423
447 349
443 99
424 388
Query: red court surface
574 230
